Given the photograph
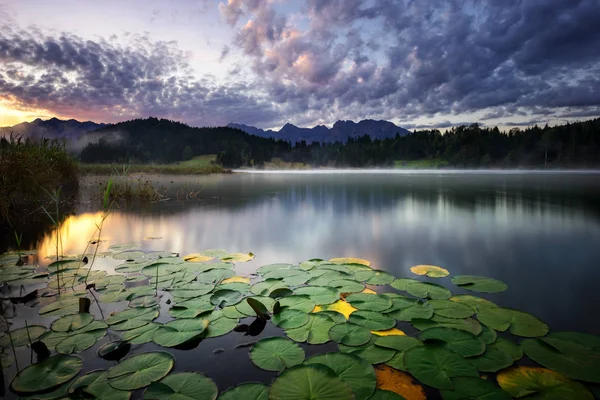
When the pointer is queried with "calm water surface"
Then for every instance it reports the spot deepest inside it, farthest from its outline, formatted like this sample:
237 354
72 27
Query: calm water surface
539 233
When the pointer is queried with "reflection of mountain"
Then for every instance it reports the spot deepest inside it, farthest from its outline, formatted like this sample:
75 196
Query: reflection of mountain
341 131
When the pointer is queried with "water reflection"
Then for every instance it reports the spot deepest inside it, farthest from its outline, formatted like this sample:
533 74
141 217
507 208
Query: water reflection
538 233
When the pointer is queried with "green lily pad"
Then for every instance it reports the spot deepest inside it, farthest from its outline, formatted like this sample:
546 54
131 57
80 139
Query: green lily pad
141 335
565 357
520 323
289 318
193 289
95 384
353 370
398 343
369 302
226 297
265 287
46 374
451 309
350 334
183 386
140 370
180 331
72 322
474 388
219 324
259 308
309 382
318 294
402 283
114 350
369 352
22 336
508 347
408 309
191 308
372 320
479 283
143 302
461 342
147 314
245 308
276 354
315 331
246 391
426 290
215 275
437 321
584 339
540 383
59 308
380 278
435 366
75 343
265 269
488 335
302 303
492 360
347 286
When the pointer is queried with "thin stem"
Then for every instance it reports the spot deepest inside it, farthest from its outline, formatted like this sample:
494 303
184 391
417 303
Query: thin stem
14 352
29 337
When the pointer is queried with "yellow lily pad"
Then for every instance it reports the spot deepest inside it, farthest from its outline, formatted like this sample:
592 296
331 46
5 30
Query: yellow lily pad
197 257
431 271
389 332
339 306
524 381
240 279
399 382
350 260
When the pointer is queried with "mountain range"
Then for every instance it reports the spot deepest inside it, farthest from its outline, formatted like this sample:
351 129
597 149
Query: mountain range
341 131
78 134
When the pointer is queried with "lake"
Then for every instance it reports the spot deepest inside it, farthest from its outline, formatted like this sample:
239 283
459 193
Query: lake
539 232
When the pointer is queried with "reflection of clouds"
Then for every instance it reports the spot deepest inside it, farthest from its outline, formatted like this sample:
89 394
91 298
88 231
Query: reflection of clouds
524 240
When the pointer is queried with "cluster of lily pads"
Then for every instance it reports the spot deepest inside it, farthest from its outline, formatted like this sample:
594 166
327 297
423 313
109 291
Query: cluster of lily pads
397 337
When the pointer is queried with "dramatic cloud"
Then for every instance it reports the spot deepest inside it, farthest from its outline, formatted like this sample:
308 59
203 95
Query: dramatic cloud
426 62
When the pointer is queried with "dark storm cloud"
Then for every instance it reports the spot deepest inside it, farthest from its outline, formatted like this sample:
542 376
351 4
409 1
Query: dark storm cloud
419 58
69 75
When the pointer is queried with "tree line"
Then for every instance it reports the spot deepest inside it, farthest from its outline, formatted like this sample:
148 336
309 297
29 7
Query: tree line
575 145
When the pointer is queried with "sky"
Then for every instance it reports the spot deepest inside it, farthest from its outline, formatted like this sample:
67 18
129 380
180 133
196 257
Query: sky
418 63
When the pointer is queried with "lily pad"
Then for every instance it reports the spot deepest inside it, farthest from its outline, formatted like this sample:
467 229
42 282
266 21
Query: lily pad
318 294
520 323
479 283
380 394
265 287
289 318
180 331
541 383
350 334
226 297
114 350
464 343
72 322
372 320
191 308
144 302
141 335
347 285
95 384
474 388
237 257
276 354
310 382
492 360
140 370
246 391
46 374
75 343
369 302
369 352
22 336
431 271
380 278
353 370
350 260
302 303
426 290
437 321
451 309
340 306
410 309
183 386
435 366
565 357
315 331
219 324
399 382
245 308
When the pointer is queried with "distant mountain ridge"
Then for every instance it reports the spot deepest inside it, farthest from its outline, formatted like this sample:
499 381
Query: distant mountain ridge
341 131
53 128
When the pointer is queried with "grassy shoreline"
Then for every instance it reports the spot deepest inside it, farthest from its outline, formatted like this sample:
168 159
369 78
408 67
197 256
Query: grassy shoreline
201 165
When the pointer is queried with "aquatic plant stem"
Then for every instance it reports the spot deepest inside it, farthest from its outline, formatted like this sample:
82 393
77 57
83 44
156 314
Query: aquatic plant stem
14 352
29 338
